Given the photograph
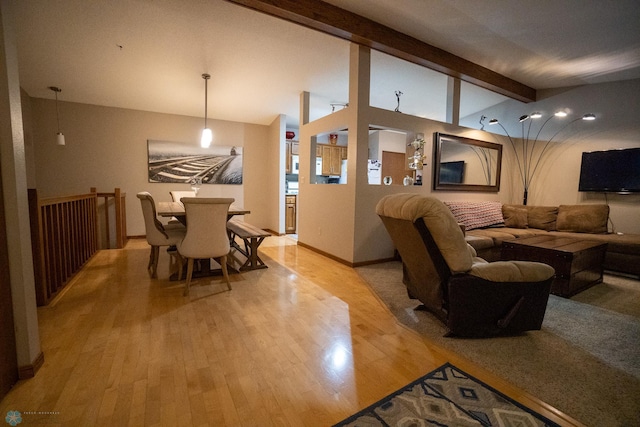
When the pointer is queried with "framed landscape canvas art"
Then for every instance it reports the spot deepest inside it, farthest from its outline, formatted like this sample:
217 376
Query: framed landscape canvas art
181 162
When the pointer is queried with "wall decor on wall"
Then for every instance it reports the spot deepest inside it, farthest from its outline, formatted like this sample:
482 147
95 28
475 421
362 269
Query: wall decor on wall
465 164
182 162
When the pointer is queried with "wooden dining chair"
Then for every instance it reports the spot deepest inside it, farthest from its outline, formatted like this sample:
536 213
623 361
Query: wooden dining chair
157 234
206 234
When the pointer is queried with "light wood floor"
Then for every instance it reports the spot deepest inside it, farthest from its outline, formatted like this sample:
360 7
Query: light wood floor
302 343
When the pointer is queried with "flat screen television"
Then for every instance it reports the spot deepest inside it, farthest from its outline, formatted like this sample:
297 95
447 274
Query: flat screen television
611 171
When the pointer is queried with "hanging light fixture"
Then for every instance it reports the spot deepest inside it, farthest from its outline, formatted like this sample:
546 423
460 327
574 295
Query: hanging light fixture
528 158
59 135
207 135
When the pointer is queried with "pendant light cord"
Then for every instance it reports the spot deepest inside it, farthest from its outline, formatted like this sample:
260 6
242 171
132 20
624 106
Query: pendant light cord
206 92
57 112
55 91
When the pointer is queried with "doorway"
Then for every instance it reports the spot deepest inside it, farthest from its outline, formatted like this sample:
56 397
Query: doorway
394 165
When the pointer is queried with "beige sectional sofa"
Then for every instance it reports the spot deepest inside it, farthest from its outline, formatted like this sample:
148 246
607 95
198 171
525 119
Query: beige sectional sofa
485 230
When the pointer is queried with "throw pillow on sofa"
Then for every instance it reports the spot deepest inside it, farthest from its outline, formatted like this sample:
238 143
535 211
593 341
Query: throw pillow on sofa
542 217
515 216
583 218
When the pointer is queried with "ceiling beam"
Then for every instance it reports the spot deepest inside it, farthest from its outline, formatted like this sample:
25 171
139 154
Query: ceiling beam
332 20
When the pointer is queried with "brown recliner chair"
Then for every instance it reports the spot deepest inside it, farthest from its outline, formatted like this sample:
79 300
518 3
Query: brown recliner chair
473 297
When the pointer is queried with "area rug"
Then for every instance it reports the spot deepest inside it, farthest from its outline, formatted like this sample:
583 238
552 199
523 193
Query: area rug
584 362
446 396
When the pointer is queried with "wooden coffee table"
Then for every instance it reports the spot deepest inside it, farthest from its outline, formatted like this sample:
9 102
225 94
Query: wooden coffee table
578 263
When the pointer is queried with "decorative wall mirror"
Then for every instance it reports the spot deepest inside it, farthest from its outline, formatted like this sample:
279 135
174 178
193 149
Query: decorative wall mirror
465 164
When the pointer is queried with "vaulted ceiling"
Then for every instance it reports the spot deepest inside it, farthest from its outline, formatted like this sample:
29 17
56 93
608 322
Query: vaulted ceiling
150 54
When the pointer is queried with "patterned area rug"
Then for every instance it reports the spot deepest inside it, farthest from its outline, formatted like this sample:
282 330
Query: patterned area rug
446 397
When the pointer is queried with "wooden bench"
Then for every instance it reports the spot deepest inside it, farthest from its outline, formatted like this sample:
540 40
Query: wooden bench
251 237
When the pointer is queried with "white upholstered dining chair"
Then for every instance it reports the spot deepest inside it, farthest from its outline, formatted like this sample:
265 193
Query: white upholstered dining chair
157 234
206 234
177 195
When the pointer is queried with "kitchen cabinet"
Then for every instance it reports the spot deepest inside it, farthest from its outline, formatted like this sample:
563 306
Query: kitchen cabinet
292 148
290 214
332 156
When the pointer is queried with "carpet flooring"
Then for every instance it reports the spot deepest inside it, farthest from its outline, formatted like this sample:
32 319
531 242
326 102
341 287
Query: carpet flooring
585 361
446 397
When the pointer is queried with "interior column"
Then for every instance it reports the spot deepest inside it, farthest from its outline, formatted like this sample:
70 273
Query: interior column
14 186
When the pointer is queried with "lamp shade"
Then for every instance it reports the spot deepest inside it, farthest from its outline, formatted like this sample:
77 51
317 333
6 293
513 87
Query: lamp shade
207 137
60 138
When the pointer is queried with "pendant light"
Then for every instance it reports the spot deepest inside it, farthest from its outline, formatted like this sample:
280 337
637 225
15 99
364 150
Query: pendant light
59 135
207 136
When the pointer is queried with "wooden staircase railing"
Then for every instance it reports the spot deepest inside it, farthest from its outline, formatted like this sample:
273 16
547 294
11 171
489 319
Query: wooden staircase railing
64 236
120 207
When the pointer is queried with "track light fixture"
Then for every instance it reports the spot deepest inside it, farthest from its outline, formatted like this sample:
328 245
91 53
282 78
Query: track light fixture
338 104
59 136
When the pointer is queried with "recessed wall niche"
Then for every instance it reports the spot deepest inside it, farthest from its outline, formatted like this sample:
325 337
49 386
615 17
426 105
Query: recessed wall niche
388 159
331 150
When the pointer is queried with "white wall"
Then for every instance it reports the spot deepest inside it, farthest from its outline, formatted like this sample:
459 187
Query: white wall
107 148
395 142
274 177
325 212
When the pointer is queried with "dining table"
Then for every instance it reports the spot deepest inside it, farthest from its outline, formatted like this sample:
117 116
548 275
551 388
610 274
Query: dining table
176 210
